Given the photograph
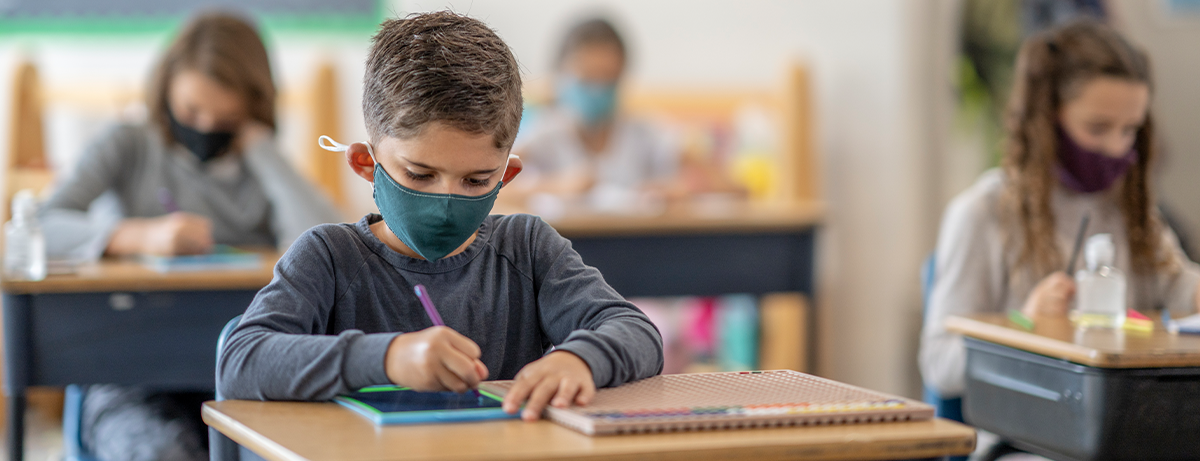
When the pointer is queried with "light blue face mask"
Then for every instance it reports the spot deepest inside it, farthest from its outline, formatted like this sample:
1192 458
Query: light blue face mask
593 103
433 225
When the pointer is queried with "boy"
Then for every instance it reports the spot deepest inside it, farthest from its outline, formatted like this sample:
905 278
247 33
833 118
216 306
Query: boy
442 101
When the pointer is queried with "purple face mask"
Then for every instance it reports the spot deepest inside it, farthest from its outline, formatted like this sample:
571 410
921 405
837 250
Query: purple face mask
1086 171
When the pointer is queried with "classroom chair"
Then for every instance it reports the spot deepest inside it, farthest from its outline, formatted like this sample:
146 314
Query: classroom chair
220 447
73 449
949 408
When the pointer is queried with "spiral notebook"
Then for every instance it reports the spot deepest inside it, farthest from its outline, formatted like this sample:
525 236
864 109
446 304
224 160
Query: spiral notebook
730 400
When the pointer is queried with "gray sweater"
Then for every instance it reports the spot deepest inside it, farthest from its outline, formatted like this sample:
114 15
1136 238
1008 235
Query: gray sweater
974 270
254 198
340 295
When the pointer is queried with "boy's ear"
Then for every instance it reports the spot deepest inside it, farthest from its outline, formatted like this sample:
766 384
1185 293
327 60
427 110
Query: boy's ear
359 159
514 168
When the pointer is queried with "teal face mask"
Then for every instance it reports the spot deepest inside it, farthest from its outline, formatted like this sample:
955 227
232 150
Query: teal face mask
433 225
594 104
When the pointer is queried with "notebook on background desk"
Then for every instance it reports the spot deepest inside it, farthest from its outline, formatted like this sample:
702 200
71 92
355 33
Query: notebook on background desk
222 258
728 400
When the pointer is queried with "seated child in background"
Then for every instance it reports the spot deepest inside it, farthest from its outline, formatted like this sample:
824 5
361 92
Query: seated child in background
203 170
442 102
1080 141
584 149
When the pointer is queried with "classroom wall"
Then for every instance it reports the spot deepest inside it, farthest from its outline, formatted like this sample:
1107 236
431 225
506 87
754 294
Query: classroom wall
878 69
1171 41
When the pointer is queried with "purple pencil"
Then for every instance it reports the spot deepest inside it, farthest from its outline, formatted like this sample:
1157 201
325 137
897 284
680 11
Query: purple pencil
423 295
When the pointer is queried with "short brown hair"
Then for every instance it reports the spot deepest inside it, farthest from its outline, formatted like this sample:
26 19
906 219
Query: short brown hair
595 31
225 48
1051 68
441 67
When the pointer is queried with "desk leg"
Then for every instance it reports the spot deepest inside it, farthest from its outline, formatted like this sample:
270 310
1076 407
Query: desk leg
16 368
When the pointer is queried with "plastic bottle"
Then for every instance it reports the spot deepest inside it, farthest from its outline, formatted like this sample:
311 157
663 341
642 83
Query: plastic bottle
1100 288
24 243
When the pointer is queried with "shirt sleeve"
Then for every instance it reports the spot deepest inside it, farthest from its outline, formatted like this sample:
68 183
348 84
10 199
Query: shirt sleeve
71 231
296 204
969 277
280 350
581 314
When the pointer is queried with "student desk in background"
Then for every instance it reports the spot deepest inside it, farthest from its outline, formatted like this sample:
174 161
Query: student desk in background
1074 394
295 431
688 251
118 322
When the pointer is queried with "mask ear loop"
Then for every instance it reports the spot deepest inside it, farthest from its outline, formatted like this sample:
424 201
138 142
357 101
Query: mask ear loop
334 146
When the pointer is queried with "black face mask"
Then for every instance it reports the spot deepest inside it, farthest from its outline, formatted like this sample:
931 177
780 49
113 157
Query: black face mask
206 146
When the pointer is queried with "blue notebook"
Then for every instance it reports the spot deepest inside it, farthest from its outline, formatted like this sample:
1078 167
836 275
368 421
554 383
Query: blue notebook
223 258
401 405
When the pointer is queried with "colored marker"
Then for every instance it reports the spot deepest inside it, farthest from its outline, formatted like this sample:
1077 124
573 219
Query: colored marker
423 295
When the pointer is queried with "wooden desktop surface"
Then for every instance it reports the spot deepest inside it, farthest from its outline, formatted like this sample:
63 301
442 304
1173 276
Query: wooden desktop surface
326 431
684 218
1097 347
111 274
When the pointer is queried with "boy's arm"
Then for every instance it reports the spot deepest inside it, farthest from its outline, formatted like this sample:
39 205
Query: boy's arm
586 317
280 350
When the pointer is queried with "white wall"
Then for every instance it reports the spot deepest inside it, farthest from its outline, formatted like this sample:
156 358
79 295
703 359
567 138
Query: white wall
874 65
1172 42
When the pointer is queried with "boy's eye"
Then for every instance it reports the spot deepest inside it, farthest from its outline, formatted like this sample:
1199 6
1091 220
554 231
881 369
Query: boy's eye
417 177
476 182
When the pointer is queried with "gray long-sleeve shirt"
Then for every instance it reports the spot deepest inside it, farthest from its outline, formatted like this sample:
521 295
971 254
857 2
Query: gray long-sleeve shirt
340 295
252 198
974 269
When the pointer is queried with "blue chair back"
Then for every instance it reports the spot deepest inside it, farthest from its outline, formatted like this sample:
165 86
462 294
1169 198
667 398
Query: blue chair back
73 449
943 407
220 447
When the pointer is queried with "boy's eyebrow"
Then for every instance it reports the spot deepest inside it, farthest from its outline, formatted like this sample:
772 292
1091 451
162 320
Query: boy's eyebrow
427 167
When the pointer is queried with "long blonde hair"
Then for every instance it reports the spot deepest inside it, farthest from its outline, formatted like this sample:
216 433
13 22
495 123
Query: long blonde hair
1051 68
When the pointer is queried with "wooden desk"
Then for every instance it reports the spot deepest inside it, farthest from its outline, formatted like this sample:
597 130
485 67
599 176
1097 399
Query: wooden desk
325 431
118 322
1101 348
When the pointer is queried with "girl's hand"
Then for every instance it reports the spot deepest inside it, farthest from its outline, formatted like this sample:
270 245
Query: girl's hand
169 235
560 379
1051 297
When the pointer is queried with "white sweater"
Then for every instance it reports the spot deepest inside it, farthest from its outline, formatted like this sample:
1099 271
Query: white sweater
973 270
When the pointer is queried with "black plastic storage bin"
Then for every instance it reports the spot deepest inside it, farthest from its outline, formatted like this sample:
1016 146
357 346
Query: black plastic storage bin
1068 411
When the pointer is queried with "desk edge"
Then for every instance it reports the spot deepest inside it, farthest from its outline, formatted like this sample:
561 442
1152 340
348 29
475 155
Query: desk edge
245 436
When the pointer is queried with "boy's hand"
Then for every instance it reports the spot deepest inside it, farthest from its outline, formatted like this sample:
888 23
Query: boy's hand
435 359
559 379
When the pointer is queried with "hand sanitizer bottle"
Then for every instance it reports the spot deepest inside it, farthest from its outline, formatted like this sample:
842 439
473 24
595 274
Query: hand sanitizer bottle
24 244
1100 289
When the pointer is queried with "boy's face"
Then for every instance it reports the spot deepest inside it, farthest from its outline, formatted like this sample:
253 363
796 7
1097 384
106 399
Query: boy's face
440 160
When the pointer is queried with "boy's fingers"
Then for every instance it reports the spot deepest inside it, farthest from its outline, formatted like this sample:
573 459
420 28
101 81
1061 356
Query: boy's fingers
461 366
567 390
464 344
517 395
451 381
538 399
586 392
481 369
